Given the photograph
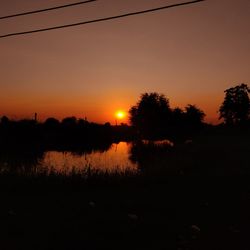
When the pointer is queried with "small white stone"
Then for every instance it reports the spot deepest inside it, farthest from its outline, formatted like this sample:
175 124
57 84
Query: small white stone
92 204
133 216
195 228
188 142
11 212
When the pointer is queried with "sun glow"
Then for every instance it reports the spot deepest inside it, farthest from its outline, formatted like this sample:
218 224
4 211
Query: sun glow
120 114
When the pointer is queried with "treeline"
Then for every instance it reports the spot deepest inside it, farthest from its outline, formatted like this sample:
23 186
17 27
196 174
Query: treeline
151 118
70 133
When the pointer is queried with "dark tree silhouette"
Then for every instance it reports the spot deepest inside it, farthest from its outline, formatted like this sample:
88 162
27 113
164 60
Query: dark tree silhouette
51 122
235 108
69 121
194 116
5 120
82 122
178 117
151 114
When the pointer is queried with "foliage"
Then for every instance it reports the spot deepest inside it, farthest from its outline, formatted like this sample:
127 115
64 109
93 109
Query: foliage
194 116
5 120
151 114
51 122
69 121
153 117
235 108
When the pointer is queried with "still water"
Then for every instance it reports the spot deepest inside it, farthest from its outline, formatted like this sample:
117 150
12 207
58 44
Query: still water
116 158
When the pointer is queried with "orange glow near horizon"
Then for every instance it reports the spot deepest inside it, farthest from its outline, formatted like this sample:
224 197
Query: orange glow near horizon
102 111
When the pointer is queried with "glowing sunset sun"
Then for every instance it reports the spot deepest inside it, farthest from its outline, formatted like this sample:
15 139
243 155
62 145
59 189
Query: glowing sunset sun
120 114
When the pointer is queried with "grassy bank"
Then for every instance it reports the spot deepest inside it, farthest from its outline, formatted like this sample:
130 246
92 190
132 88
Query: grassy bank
183 212
195 195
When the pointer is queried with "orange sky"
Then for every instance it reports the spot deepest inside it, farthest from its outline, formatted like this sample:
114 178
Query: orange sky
191 54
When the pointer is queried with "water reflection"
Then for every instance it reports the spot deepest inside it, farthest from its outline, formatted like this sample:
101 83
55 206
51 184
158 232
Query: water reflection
117 157
161 143
151 155
20 160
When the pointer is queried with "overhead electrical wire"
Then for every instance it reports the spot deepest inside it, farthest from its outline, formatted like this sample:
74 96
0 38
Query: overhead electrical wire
47 9
101 19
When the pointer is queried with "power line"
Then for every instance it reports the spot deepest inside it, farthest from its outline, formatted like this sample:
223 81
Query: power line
100 19
47 9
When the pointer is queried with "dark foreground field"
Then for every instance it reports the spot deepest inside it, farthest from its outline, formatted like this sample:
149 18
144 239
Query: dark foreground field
204 205
182 213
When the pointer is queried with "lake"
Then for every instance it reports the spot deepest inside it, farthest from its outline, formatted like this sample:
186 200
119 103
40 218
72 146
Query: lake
117 157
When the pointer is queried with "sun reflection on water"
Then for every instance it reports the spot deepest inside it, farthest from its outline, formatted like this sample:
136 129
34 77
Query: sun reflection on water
113 160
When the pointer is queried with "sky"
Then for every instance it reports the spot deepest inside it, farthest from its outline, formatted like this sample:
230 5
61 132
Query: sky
191 54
